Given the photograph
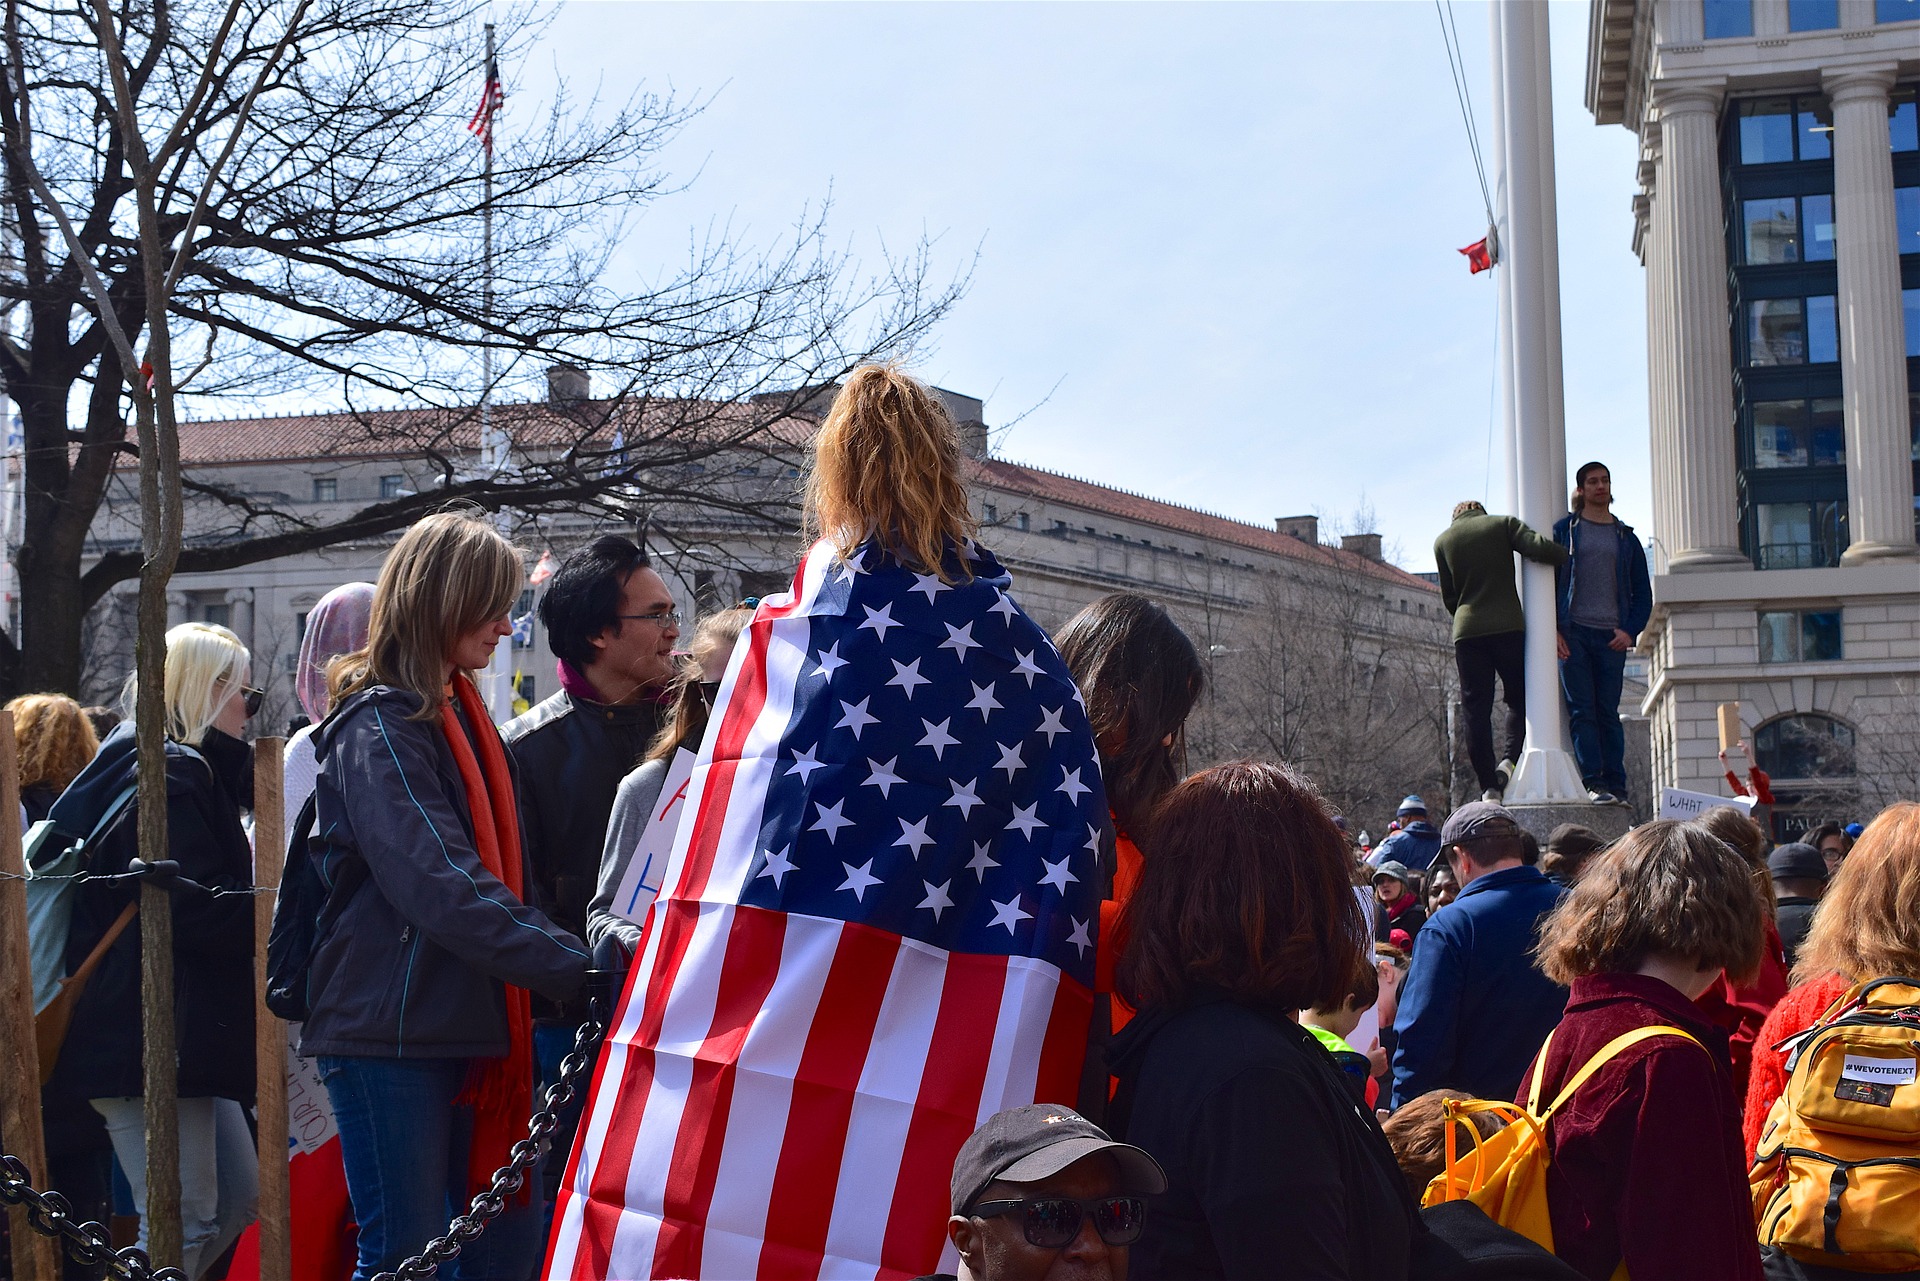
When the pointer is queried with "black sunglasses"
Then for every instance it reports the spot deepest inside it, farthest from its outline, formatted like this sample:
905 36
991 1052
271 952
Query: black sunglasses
252 698
1052 1222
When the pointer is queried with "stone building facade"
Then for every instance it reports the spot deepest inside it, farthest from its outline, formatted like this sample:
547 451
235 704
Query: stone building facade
1778 219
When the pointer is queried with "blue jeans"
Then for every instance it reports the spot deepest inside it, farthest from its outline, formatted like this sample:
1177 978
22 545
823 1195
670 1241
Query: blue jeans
1591 675
219 1172
404 1145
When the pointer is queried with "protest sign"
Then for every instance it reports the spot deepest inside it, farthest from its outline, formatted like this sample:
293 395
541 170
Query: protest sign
649 863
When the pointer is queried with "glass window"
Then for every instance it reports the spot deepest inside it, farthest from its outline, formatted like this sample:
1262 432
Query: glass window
1820 636
219 615
1773 230
1806 745
1906 218
1913 429
1890 10
1911 299
1776 332
1779 637
390 486
1815 125
1829 432
325 491
1903 122
1766 131
993 513
1817 213
1729 18
1813 15
1823 330
1800 535
1779 433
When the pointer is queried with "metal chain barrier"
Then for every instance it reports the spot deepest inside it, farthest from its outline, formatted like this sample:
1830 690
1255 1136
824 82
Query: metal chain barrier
89 1243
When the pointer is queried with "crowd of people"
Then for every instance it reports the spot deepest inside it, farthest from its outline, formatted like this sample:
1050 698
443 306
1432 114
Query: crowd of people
1638 999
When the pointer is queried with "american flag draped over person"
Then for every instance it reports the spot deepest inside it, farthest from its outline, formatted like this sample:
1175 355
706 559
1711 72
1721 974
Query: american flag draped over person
877 929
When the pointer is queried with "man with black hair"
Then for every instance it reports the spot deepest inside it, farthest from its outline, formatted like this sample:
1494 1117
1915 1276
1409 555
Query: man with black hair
612 624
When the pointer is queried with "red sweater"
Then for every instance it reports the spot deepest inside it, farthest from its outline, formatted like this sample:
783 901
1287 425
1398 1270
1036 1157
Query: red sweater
1739 1011
1797 1011
1646 1156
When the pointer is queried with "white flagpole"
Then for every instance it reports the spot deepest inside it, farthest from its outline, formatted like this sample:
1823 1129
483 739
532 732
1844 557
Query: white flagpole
498 679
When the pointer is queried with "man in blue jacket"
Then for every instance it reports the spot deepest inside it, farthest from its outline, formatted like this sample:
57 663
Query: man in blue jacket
1415 844
1603 598
1475 1008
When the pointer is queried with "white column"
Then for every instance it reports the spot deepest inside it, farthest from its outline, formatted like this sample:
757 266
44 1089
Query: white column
1659 365
177 605
1706 527
1546 773
1873 356
240 612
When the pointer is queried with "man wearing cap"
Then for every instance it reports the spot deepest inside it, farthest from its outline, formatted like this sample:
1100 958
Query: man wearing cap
1396 907
1799 874
1042 1192
1475 1008
1415 844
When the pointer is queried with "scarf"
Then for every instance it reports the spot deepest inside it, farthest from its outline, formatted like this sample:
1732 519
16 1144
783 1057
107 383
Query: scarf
500 1091
1399 906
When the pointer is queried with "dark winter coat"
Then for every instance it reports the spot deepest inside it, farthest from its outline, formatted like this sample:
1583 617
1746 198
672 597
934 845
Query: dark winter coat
1632 587
212 937
417 937
1273 1165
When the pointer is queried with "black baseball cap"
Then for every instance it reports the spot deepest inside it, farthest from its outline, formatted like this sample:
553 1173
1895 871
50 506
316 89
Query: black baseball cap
1478 819
1797 861
1027 1144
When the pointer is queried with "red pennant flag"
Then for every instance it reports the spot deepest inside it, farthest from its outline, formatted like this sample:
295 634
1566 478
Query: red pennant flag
1478 259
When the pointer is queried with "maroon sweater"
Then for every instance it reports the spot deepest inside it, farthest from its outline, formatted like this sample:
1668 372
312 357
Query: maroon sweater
1646 1155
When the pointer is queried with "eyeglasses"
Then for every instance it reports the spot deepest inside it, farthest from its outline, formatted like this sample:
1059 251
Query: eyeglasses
662 620
1052 1222
251 699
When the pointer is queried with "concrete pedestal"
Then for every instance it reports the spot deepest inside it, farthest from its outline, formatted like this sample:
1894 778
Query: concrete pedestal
1608 821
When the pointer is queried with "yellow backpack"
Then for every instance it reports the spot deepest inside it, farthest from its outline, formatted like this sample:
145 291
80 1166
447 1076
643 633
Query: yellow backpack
1505 1174
1836 1179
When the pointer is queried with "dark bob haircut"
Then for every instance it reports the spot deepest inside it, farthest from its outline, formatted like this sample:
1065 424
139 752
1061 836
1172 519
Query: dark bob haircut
584 598
1249 890
1663 889
1141 677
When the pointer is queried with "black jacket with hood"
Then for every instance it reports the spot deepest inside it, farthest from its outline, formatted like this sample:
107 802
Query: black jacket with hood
1273 1165
212 937
417 937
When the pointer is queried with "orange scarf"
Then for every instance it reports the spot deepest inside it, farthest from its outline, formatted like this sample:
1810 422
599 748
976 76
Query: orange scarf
500 1091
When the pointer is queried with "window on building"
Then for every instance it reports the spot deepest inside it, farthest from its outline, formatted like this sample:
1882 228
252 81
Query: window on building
1799 635
326 491
1903 119
1896 10
1776 130
1793 331
1022 520
1910 301
1788 229
1059 526
1804 745
993 514
391 486
219 614
1813 15
1816 216
1726 19
1799 433
1800 535
1906 218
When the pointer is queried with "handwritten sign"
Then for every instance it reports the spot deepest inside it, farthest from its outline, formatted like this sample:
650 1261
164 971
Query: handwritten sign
310 1124
648 865
1677 803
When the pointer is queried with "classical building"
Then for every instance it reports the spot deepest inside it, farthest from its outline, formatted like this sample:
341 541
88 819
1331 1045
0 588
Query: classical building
1778 218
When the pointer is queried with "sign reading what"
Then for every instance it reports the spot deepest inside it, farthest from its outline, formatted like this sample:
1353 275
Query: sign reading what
1678 803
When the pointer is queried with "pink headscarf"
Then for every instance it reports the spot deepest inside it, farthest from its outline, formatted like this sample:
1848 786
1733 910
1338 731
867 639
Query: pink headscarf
337 625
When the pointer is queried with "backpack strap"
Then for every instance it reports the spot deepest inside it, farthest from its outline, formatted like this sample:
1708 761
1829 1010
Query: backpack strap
1607 1053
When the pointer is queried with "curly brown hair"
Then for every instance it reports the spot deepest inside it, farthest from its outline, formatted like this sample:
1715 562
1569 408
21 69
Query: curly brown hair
1248 892
1663 889
54 738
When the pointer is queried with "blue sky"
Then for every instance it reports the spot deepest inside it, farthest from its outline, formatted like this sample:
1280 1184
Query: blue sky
1215 241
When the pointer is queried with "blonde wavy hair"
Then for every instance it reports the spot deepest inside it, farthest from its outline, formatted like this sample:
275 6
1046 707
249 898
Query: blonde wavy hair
206 666
54 738
886 465
1866 925
449 573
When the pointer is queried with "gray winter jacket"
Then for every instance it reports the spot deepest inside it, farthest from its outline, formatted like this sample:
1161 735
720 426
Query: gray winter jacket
410 962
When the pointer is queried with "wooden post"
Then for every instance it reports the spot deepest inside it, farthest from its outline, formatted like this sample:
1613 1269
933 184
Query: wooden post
1730 734
270 1034
35 1257
160 1071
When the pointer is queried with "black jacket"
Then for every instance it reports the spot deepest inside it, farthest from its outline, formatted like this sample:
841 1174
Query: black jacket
417 936
212 937
1273 1167
571 755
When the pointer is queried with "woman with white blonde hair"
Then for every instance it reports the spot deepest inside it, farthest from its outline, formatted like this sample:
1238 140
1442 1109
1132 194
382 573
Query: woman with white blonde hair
426 949
208 699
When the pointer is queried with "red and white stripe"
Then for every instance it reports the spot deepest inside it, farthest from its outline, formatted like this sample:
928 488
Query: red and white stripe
783 1095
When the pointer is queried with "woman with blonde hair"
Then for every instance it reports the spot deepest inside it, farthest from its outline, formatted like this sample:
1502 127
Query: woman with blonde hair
208 699
425 950
54 741
1866 927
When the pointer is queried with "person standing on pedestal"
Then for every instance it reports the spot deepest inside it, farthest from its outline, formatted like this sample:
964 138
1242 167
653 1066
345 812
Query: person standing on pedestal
1475 559
1604 598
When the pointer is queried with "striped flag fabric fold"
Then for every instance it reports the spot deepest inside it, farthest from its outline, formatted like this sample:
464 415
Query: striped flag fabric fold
492 98
876 929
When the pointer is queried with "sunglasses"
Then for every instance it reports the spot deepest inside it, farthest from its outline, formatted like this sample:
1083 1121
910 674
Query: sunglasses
251 699
1052 1222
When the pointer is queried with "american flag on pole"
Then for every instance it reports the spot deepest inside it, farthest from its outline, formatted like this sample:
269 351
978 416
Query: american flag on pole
876 929
492 98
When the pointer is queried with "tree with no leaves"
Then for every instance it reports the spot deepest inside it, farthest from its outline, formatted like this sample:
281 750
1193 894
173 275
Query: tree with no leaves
334 259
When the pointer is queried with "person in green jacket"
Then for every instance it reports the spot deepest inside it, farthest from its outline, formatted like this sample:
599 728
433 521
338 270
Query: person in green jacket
1475 557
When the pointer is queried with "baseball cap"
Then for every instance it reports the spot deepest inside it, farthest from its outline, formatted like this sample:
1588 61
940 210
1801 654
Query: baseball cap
1574 840
1027 1144
1411 805
1853 831
1797 861
1394 868
1478 819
